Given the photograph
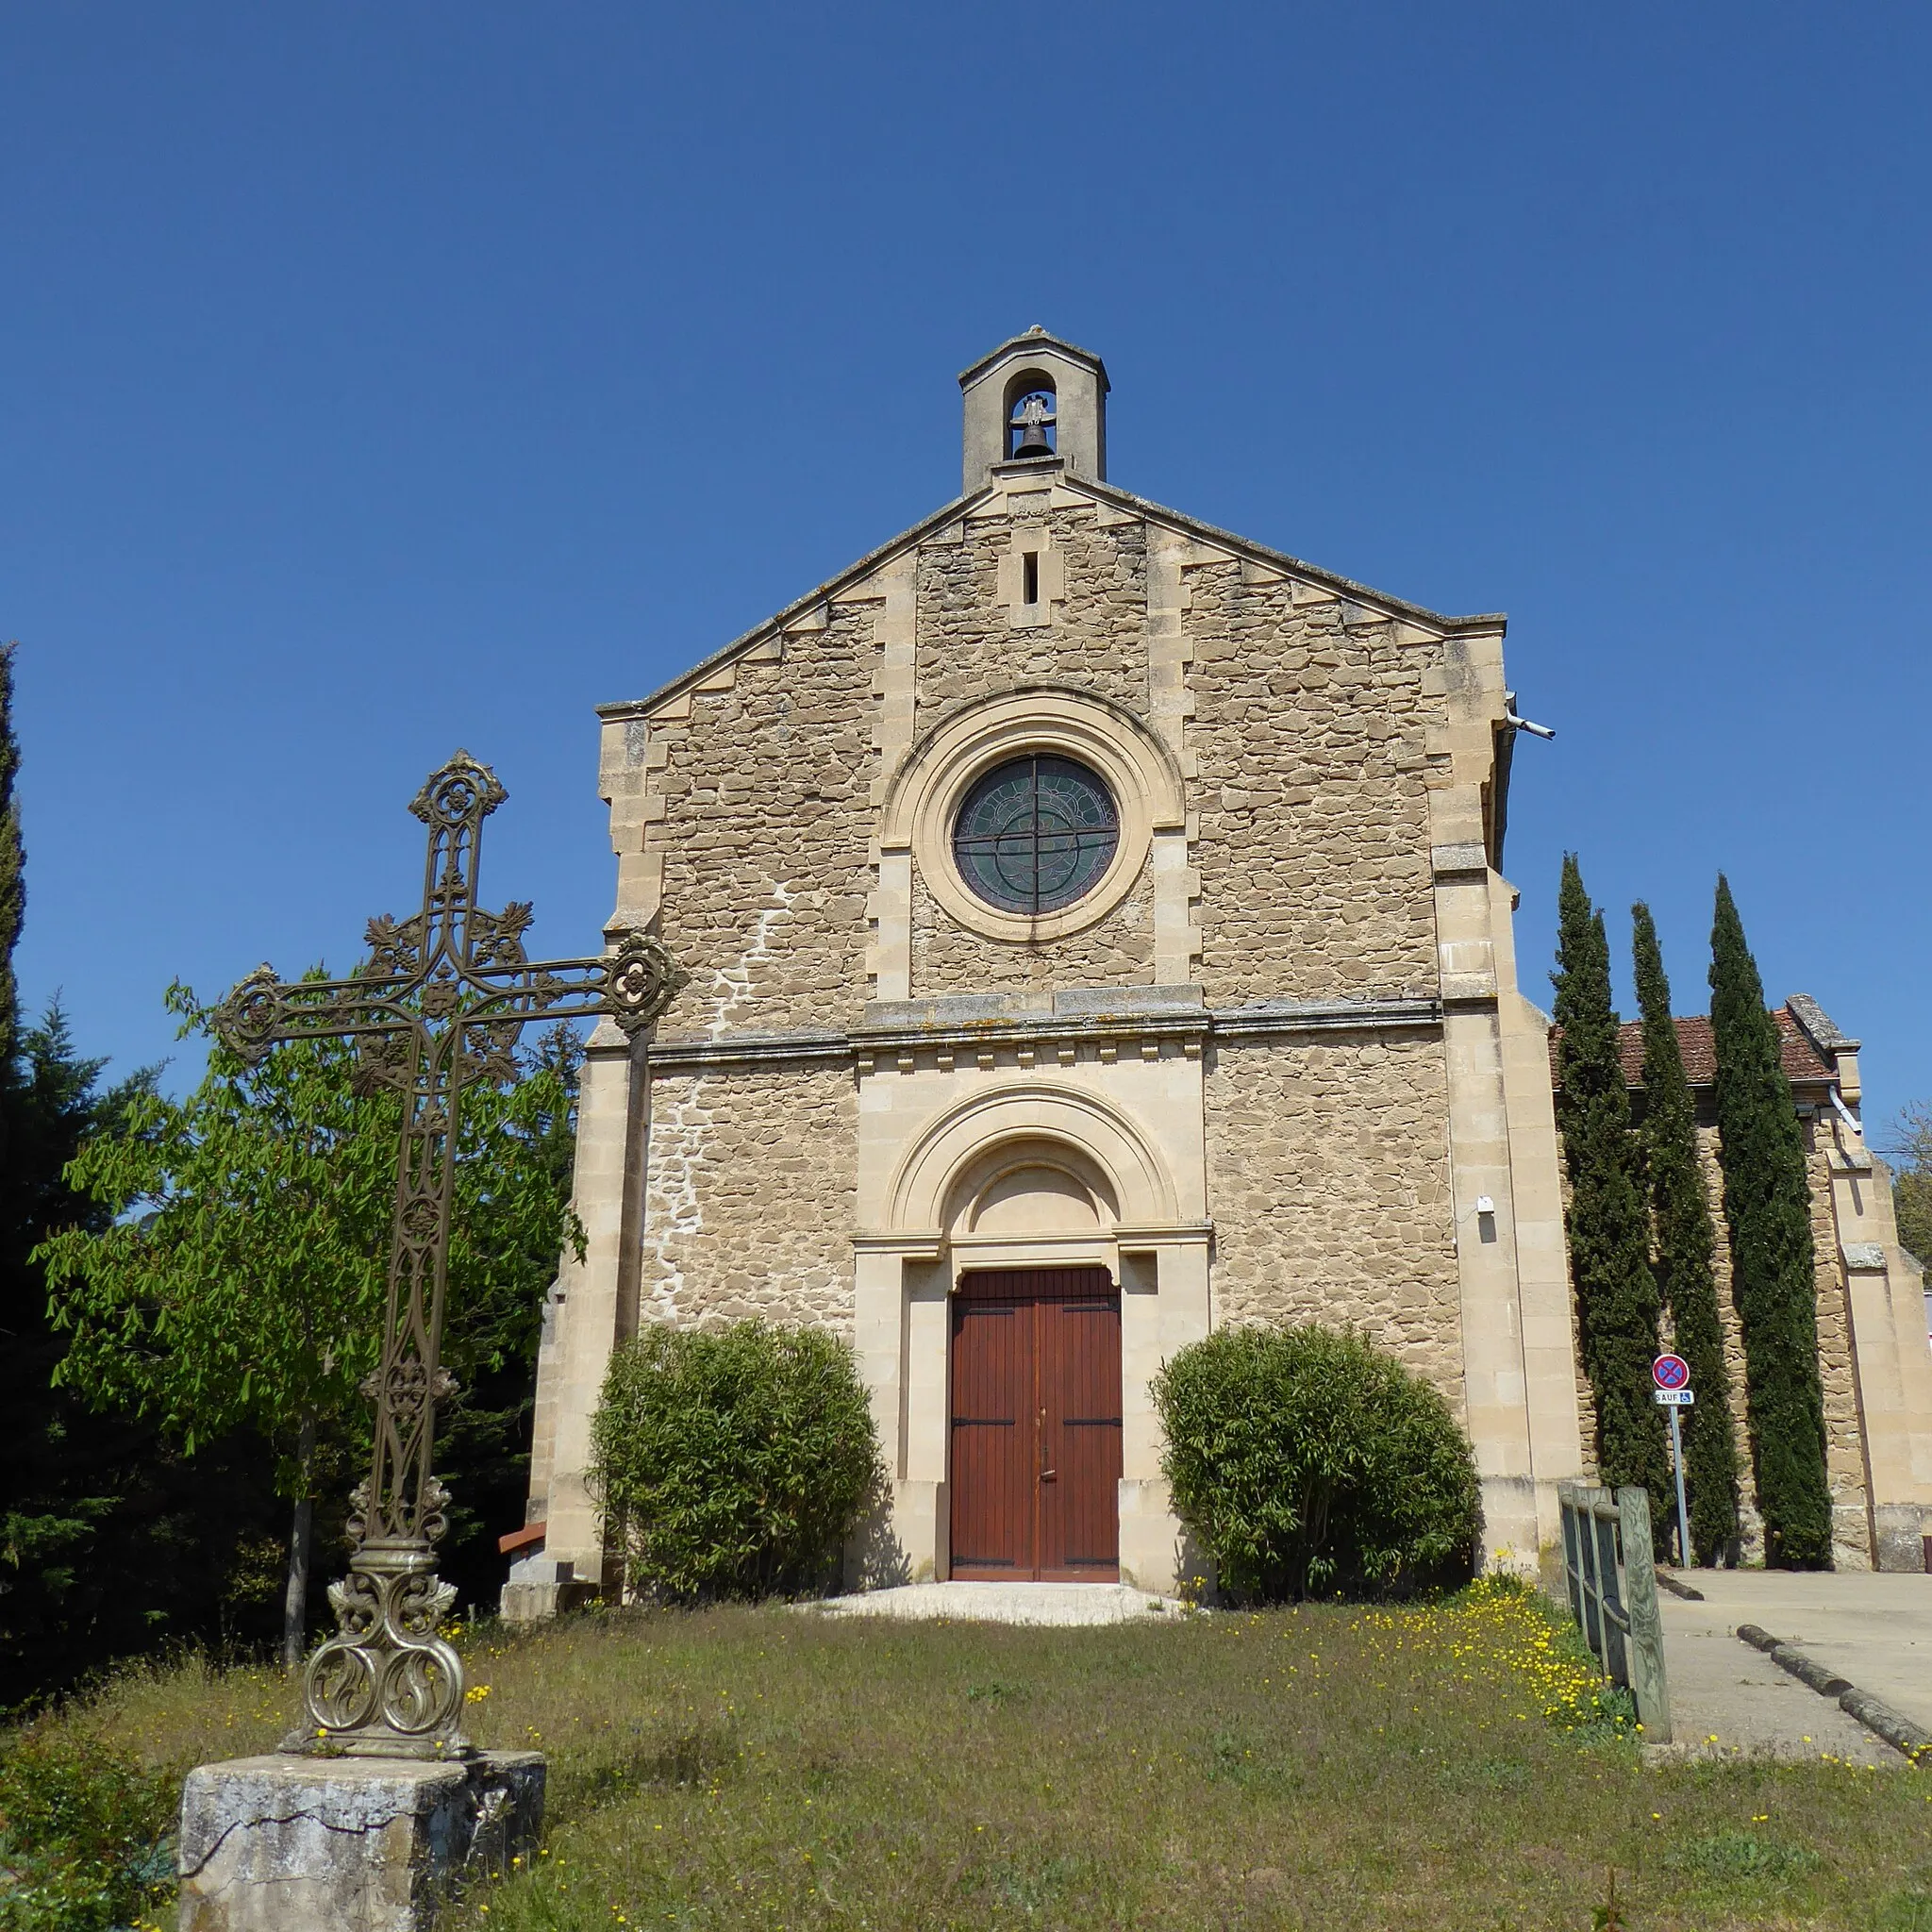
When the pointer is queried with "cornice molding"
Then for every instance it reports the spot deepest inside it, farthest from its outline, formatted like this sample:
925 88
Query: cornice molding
1132 1029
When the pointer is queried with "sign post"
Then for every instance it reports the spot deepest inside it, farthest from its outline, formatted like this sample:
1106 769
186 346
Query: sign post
1672 1375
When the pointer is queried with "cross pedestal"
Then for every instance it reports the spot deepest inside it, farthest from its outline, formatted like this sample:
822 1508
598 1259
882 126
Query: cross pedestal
285 1843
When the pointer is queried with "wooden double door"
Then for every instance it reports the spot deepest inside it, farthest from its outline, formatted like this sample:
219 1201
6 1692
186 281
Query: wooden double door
1036 1426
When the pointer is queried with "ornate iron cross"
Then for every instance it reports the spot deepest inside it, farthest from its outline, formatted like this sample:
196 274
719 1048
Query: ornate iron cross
436 1006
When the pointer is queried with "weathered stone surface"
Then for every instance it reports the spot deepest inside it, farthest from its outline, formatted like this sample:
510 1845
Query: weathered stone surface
1844 1443
764 838
348 1845
751 1203
968 645
1116 949
1331 1194
968 649
1852 1537
1313 810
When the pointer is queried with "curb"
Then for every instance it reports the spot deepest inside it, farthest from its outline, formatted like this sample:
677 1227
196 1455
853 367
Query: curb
1878 1717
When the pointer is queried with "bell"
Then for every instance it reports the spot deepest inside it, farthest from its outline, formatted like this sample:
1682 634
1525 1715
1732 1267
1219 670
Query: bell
1032 419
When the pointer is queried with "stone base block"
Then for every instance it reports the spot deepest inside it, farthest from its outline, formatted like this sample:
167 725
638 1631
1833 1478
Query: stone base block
536 1602
1157 1554
1510 1537
1901 1537
913 1546
348 1845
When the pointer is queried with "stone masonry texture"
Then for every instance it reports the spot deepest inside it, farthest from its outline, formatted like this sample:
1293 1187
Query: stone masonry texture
1311 800
1314 844
1330 1186
1116 949
1328 1163
765 839
968 649
1845 1449
752 1196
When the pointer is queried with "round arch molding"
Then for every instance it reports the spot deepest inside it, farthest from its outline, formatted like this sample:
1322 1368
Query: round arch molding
923 796
1033 1116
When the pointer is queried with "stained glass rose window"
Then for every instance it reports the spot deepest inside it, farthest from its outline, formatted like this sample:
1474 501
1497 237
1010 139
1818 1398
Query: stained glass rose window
1036 834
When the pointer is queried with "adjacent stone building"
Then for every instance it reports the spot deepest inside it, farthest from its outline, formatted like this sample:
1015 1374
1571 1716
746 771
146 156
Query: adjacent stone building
1873 1358
1097 933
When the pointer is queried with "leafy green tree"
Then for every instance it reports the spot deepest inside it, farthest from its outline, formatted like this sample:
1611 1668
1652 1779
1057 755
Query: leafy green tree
1617 1303
1773 1278
106 1546
240 1279
1685 1239
1910 1155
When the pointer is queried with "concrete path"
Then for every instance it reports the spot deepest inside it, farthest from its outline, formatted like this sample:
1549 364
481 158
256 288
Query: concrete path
1875 1630
1008 1603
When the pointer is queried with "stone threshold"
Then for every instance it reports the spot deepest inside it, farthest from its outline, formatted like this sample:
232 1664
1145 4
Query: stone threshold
1057 1604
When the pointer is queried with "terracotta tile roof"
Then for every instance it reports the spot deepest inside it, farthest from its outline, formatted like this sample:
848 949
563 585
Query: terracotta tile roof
1804 1065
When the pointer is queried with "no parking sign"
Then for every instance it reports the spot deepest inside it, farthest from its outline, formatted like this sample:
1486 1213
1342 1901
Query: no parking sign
1672 1375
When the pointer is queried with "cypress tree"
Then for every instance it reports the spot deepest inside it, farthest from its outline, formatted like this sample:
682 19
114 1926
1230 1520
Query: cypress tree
12 872
1685 1242
1609 1236
1773 1284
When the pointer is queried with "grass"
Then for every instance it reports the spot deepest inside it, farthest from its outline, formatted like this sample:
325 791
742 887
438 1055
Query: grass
1446 1766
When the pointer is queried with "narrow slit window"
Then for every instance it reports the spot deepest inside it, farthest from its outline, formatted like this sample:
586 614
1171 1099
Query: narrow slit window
1029 577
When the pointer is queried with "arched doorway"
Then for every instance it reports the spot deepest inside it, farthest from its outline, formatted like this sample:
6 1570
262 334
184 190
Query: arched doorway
1033 1373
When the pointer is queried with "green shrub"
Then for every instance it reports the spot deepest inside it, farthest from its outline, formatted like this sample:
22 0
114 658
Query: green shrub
85 1836
737 1460
1305 1461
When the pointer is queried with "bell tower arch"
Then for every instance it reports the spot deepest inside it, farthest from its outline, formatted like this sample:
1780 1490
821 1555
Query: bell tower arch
1035 399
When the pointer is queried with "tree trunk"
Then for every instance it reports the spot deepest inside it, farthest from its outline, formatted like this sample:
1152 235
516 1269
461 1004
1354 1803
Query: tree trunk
301 1536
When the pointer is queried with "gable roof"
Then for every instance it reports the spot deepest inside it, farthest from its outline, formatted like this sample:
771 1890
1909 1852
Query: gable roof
1803 1064
1036 337
794 614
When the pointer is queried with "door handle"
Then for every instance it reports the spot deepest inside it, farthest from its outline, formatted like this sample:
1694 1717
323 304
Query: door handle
1046 1474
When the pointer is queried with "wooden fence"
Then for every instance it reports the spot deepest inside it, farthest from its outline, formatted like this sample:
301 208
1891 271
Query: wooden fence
1611 1575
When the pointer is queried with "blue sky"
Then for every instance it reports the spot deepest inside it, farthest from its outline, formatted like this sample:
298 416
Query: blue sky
383 378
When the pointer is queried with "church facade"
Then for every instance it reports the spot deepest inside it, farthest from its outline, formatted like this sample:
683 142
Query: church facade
1097 933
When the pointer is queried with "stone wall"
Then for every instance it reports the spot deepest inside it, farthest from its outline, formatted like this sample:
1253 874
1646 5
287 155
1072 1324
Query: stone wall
969 649
1844 1435
1329 1182
753 1180
1844 1447
1311 807
1116 949
766 838
1314 846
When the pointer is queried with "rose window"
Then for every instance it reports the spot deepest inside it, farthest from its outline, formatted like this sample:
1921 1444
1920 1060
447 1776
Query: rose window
1036 834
